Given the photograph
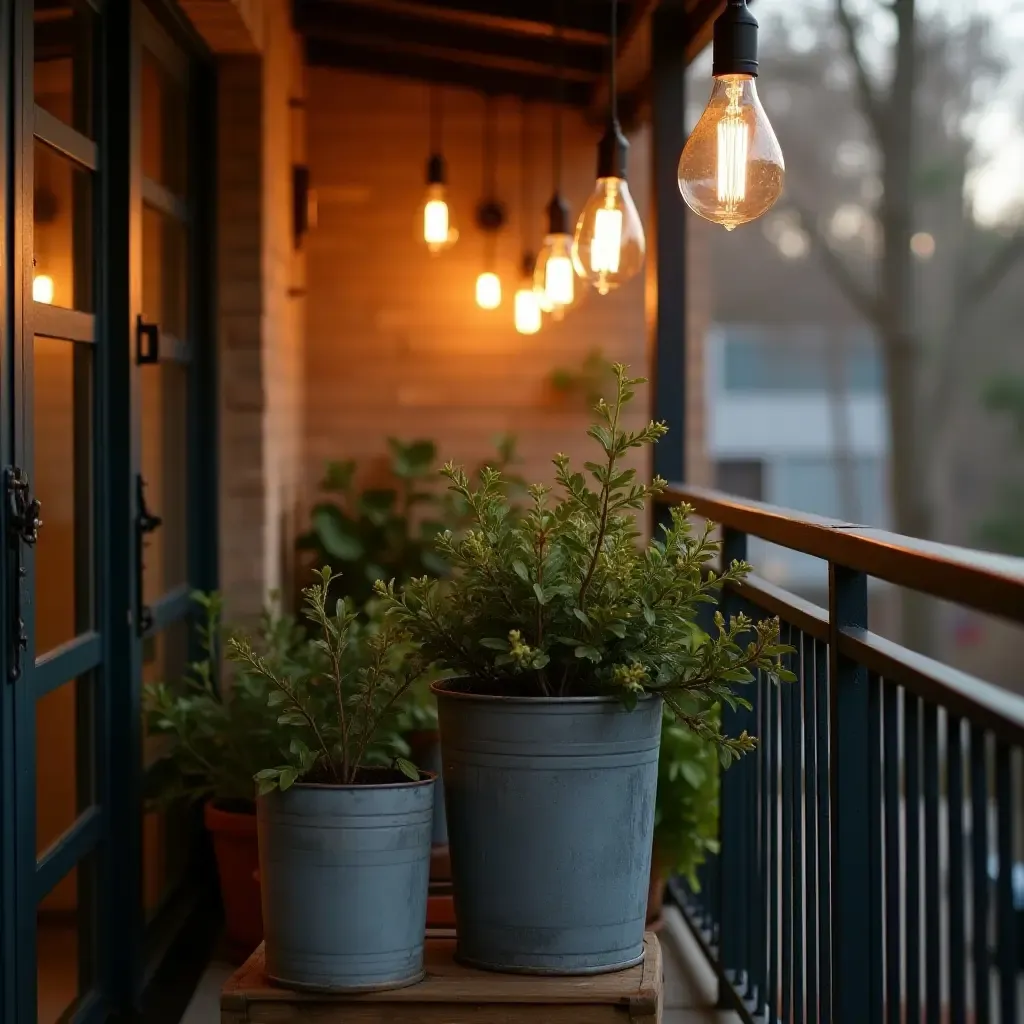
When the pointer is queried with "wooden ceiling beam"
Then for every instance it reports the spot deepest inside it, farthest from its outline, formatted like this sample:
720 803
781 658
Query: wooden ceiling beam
325 19
496 78
526 18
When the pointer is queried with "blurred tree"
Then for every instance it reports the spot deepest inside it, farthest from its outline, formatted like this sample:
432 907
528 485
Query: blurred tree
1004 529
866 177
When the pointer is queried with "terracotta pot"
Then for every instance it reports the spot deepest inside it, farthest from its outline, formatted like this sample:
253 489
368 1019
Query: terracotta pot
655 899
235 846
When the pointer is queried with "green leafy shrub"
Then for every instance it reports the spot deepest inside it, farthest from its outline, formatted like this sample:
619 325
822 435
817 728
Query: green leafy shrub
562 600
686 808
387 532
215 741
338 705
217 738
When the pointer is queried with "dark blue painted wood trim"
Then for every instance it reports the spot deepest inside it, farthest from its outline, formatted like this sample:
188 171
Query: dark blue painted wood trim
667 250
78 841
67 662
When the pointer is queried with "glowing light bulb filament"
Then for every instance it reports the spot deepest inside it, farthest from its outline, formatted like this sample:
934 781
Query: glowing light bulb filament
435 222
733 147
606 247
558 280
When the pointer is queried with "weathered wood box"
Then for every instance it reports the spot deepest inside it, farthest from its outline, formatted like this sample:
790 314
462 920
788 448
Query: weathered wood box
452 994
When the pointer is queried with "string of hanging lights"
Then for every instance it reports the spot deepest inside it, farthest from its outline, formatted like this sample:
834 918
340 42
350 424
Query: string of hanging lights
730 172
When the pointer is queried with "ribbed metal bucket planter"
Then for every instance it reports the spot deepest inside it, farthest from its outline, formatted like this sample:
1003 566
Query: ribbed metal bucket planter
550 808
344 872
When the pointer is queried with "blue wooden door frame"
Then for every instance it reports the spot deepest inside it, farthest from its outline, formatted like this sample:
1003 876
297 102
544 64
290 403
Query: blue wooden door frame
112 827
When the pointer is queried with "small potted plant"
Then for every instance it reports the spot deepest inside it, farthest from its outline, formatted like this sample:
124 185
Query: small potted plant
564 637
344 846
685 811
212 740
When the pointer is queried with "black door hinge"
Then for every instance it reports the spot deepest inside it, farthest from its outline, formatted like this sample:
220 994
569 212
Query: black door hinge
145 523
23 524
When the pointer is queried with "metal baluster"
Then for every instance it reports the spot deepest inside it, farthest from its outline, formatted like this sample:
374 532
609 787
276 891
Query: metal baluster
787 837
957 898
732 828
912 800
875 897
857 958
893 859
1005 915
773 855
932 891
761 954
823 712
810 778
797 776
979 874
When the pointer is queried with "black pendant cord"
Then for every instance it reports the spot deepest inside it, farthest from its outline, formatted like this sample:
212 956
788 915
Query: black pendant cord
489 189
613 77
613 148
556 116
492 215
435 162
436 115
524 180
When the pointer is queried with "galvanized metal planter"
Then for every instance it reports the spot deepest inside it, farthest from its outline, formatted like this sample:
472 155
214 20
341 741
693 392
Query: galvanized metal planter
550 808
344 872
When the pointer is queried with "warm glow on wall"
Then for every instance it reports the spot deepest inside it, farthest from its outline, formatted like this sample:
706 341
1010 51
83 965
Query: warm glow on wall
488 290
42 288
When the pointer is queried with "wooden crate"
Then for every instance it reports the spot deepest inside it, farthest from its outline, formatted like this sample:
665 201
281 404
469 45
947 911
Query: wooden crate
452 994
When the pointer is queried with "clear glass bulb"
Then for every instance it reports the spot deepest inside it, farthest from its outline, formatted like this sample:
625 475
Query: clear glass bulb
438 230
488 290
609 245
731 169
527 309
553 276
42 289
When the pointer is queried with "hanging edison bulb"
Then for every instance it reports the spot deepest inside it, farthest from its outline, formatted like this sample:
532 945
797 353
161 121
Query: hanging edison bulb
439 231
553 276
527 309
435 216
731 169
608 246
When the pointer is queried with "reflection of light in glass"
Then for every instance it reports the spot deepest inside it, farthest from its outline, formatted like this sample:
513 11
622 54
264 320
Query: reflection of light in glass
42 288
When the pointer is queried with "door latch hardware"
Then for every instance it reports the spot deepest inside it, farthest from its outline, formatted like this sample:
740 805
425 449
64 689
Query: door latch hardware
147 342
23 525
146 522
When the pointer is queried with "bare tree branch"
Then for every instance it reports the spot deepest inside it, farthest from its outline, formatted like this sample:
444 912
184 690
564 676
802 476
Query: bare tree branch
990 276
869 100
858 294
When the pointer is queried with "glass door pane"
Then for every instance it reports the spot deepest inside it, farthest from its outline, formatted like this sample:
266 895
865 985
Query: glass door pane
165 399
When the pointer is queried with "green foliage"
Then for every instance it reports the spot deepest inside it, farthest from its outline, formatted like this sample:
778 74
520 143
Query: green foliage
1004 529
338 704
386 532
561 600
214 741
589 381
686 810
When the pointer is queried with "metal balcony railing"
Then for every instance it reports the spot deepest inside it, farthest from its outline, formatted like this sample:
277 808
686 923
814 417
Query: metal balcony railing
869 869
